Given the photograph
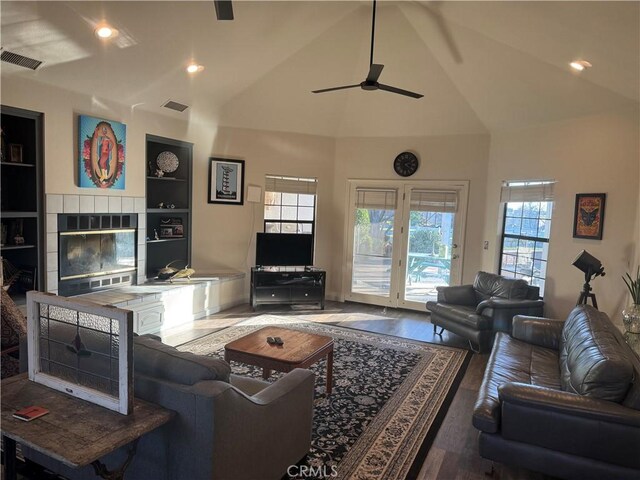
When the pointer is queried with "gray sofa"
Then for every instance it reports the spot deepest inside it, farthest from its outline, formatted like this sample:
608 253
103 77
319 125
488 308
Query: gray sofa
562 398
225 426
477 311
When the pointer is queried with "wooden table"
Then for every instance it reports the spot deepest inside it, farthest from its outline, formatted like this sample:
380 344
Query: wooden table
74 432
300 350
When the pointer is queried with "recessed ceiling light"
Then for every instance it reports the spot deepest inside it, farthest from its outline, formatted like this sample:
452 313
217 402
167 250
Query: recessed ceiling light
580 65
194 68
105 31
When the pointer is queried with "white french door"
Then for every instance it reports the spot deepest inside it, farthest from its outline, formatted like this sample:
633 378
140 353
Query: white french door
404 240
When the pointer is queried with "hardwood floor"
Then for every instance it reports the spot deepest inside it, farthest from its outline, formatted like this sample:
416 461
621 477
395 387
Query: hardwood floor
454 452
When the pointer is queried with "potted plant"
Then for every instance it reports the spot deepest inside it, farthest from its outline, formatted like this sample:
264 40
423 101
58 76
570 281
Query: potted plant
631 314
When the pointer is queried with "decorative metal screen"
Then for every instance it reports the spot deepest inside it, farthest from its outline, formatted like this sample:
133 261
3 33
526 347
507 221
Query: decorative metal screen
82 349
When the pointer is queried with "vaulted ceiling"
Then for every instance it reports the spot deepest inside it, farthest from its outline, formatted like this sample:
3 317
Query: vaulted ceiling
260 68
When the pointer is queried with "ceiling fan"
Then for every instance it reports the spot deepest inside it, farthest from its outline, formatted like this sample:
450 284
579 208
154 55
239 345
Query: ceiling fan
371 82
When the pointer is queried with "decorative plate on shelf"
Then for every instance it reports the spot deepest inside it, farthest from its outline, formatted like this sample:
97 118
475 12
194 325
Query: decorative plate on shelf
168 162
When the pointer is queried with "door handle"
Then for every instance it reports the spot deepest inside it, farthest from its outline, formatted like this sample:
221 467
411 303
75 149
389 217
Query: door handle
455 245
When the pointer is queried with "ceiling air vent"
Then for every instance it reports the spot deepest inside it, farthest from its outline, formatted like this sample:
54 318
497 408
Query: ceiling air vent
178 107
20 60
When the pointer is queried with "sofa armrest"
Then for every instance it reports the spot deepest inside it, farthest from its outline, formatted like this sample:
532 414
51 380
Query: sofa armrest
570 423
296 379
544 332
458 295
497 303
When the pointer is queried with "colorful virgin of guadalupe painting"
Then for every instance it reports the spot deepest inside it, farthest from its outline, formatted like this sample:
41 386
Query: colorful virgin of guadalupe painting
102 153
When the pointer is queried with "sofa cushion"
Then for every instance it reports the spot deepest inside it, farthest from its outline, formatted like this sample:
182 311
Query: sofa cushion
461 314
592 360
155 359
489 285
512 360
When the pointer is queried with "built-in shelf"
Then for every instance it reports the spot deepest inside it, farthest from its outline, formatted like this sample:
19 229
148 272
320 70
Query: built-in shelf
6 214
22 204
170 179
16 164
167 224
166 240
16 247
167 210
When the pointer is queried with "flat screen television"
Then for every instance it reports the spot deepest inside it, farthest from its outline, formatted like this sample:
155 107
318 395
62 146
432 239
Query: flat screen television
284 249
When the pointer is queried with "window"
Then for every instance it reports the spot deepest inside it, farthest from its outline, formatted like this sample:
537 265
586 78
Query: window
289 204
525 231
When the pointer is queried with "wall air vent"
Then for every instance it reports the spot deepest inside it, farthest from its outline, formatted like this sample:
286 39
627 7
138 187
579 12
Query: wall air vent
20 60
178 107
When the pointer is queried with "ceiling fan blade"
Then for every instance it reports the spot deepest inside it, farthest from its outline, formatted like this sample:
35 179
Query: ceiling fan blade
335 88
407 93
434 11
224 9
374 72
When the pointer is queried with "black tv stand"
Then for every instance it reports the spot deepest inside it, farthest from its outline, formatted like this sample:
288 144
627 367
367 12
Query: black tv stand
287 286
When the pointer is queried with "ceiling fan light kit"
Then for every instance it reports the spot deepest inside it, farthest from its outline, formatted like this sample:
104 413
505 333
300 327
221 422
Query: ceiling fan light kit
371 82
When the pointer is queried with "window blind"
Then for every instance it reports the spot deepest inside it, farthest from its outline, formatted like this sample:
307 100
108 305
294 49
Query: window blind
434 201
376 198
533 191
281 184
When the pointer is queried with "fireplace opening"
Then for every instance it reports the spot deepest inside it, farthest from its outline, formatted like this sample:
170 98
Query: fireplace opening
96 251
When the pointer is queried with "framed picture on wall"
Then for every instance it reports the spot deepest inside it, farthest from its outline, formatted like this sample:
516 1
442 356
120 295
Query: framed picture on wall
226 181
588 217
102 153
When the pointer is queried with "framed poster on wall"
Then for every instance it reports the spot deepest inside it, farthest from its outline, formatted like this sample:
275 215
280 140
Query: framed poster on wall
226 181
588 217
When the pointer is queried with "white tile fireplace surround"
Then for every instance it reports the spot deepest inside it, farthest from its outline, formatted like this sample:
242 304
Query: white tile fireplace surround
57 203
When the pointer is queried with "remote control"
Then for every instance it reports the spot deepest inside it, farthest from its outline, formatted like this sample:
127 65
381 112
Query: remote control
278 341
271 341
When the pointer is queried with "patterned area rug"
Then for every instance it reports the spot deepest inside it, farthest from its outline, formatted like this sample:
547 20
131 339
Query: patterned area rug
389 397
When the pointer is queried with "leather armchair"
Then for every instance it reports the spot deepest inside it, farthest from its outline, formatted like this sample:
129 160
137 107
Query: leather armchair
562 398
477 311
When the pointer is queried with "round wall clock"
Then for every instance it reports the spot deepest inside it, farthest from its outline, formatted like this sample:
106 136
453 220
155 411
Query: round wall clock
406 164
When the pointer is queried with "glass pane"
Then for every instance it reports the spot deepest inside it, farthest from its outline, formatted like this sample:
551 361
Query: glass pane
272 227
289 199
272 198
306 200
305 213
508 262
544 228
272 212
514 209
372 249
305 228
512 225
289 213
546 209
429 255
289 228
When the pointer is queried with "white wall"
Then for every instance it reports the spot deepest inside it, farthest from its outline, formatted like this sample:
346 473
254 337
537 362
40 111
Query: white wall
455 157
586 155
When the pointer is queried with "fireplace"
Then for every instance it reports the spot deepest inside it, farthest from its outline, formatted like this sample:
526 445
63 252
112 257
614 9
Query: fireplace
96 252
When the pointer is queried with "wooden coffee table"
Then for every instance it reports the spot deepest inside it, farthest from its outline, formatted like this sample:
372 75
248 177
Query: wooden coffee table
300 350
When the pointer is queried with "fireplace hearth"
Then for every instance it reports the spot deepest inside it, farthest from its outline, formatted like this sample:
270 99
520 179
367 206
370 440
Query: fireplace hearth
96 251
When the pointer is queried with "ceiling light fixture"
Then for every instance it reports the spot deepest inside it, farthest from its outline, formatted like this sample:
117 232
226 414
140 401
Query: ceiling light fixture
580 65
194 68
105 31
